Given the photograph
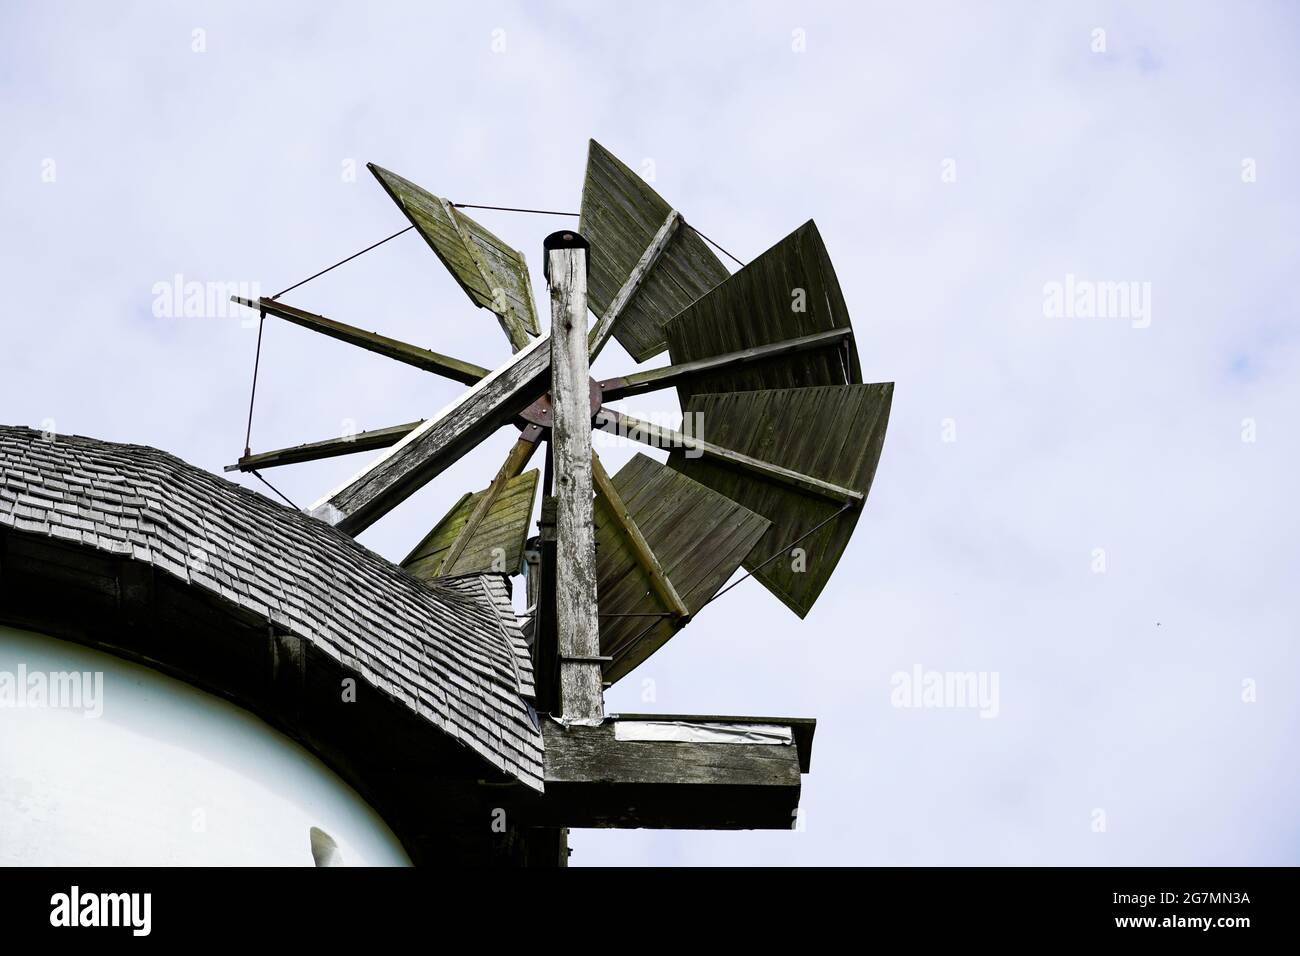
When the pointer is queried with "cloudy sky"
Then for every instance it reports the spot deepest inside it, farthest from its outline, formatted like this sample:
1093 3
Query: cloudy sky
1098 511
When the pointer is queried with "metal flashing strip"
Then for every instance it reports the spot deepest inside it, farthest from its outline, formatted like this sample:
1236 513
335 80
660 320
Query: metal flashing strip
711 732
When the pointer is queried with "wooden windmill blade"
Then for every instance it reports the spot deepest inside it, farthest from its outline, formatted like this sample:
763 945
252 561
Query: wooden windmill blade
699 538
646 265
494 543
493 275
833 433
787 294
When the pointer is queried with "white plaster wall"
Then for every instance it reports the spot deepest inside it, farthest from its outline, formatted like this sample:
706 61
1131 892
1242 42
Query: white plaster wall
167 775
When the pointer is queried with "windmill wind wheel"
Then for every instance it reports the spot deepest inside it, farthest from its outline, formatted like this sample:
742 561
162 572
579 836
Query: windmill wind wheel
769 471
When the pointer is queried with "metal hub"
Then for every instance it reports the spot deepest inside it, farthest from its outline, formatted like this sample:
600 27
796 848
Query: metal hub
540 413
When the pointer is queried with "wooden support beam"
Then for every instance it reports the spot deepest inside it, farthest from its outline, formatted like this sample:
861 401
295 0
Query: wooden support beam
595 779
513 466
605 327
441 440
659 583
328 448
656 378
444 365
581 689
656 436
546 647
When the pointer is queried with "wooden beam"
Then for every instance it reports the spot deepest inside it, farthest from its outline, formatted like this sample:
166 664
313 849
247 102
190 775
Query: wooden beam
513 466
575 600
329 448
444 365
659 583
605 327
546 645
656 436
593 779
656 378
426 452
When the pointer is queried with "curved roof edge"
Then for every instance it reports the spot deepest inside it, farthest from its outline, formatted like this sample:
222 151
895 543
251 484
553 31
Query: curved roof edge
190 560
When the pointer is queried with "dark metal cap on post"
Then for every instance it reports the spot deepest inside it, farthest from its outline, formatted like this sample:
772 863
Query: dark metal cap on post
564 239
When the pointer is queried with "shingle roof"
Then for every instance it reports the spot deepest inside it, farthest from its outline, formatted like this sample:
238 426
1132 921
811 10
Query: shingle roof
451 652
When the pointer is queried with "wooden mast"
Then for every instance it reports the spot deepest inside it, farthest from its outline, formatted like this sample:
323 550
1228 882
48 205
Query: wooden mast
581 689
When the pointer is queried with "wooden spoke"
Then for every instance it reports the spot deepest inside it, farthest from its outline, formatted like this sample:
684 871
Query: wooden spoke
444 365
441 440
656 436
645 557
653 379
329 448
605 327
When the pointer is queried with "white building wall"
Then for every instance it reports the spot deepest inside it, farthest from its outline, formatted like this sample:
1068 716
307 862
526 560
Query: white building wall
164 775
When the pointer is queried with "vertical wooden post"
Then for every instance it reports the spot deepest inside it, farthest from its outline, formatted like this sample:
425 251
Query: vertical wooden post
575 572
546 652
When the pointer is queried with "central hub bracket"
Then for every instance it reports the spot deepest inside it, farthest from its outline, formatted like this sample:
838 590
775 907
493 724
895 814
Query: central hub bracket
541 413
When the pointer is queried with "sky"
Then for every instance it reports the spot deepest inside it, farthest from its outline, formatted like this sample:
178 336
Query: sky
1093 513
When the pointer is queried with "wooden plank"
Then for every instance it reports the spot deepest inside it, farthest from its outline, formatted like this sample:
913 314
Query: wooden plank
657 436
595 780
645 556
653 379
514 464
788 292
498 542
576 620
804 728
621 216
328 448
605 326
699 538
444 365
494 276
833 433
428 450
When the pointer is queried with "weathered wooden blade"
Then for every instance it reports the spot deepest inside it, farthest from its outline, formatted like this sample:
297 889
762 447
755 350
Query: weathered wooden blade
669 439
788 292
628 225
468 531
616 508
427 451
496 546
445 365
329 448
699 538
493 275
833 432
